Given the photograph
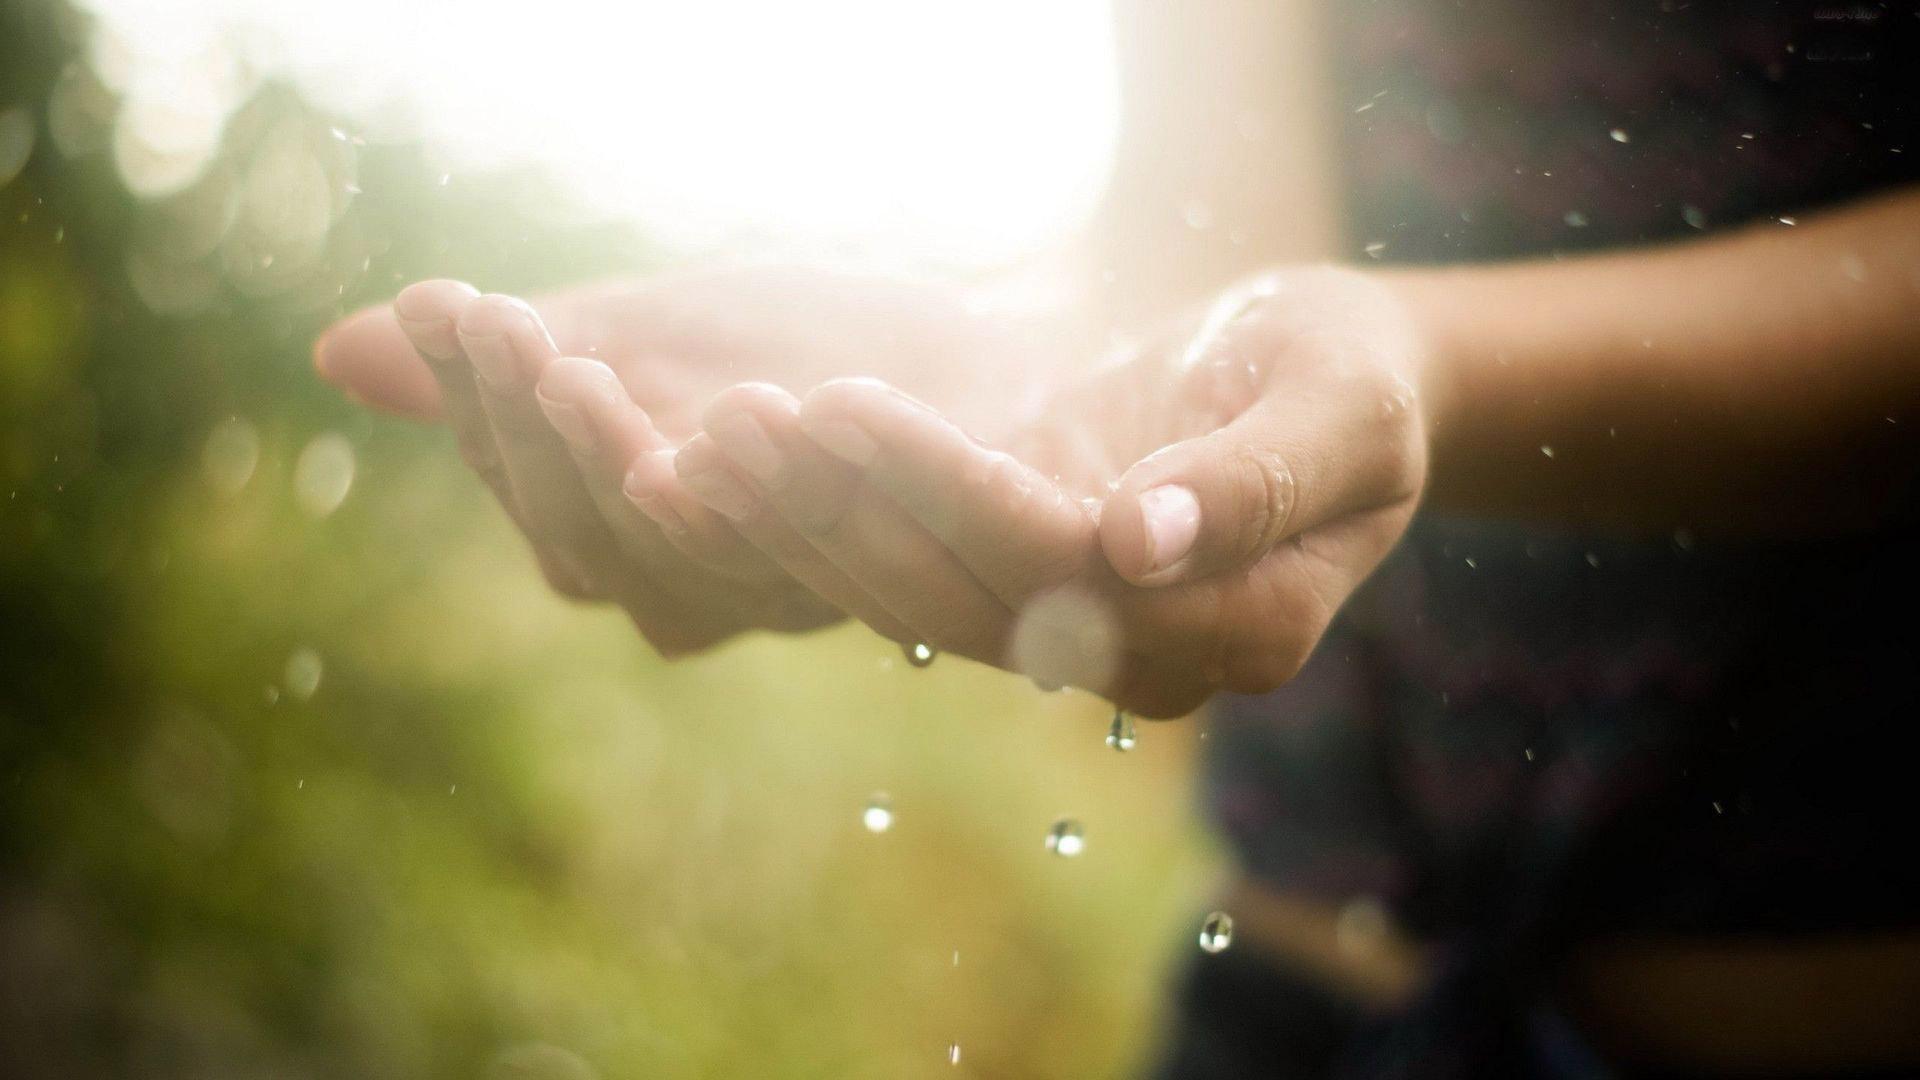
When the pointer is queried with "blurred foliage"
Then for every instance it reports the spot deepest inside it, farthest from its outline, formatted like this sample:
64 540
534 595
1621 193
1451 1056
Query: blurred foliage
498 838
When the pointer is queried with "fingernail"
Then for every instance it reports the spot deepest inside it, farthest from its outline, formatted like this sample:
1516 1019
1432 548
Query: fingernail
1172 517
742 438
722 491
650 503
845 440
570 421
433 337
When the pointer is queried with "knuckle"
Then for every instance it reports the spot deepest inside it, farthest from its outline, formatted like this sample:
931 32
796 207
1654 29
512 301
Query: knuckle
1269 489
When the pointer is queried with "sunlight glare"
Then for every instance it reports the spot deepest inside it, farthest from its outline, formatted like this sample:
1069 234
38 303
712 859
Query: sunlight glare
964 131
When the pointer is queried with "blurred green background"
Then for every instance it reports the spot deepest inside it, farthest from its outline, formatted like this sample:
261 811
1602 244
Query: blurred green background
303 774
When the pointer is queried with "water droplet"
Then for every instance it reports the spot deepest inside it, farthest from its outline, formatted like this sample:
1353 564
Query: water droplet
324 474
1717 808
1216 933
1693 216
1575 219
1046 687
231 453
302 674
953 1053
1374 249
1786 219
1593 560
878 816
1529 753
1547 450
1066 839
1121 735
1618 135
920 654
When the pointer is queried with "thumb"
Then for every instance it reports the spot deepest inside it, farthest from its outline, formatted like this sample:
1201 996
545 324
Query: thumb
1288 464
1203 505
367 356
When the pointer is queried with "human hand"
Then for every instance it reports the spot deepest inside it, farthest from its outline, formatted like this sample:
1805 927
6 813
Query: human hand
579 449
1188 521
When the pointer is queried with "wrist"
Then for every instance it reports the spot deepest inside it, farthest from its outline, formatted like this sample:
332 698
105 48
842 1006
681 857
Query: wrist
1432 306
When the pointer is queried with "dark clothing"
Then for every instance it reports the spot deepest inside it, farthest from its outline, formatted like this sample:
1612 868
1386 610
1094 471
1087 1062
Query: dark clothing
1517 738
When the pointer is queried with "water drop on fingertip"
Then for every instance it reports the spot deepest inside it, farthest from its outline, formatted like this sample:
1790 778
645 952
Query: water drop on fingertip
920 654
1121 736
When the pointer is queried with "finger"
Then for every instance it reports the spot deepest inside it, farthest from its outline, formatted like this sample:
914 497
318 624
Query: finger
711 478
1012 528
587 405
1222 500
509 349
891 557
425 314
367 355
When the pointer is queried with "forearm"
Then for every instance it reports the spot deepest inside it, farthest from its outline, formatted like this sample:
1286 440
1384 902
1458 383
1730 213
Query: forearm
1764 382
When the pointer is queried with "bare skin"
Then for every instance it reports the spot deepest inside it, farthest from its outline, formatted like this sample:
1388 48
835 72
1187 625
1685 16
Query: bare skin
1191 517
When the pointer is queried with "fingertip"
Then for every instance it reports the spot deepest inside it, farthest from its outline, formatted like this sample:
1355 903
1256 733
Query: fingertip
368 357
852 417
841 396
645 486
493 314
759 399
433 299
699 454
506 340
578 380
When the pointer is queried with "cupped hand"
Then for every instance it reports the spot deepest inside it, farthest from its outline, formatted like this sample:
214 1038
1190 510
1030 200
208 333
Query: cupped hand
1187 521
572 409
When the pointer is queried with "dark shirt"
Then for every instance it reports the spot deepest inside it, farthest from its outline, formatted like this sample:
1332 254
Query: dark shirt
1516 738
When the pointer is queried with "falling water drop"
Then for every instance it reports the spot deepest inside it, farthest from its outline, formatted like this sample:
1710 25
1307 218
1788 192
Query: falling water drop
1066 839
920 654
1216 933
1120 735
878 816
953 1053
1619 135
302 673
